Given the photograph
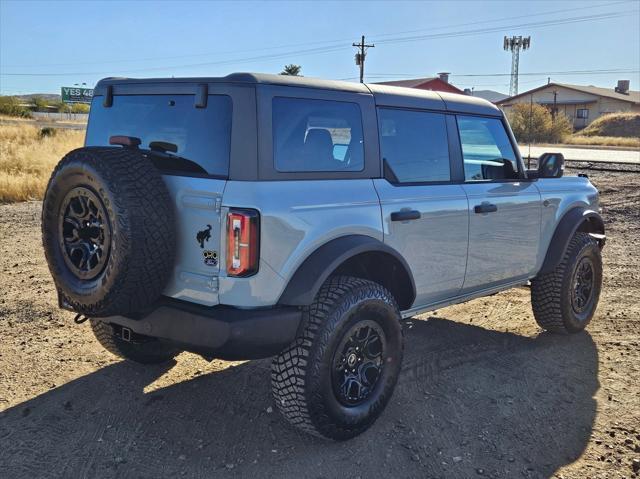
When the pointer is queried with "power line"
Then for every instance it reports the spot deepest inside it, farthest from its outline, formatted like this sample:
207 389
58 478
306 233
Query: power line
546 23
220 62
565 72
493 20
328 43
328 49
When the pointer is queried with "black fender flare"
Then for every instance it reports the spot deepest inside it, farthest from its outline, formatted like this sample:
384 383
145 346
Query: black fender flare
576 219
318 266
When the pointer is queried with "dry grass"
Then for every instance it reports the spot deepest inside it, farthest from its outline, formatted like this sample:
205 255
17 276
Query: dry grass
602 141
615 124
27 159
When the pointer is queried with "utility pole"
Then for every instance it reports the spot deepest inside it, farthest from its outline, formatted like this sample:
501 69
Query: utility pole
555 106
361 55
515 44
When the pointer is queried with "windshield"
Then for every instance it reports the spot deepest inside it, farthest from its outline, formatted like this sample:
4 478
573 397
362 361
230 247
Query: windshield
202 135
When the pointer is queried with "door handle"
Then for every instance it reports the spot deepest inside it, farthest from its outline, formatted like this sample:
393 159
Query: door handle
485 208
405 215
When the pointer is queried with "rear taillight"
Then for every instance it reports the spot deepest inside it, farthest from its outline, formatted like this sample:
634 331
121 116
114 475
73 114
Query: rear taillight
242 242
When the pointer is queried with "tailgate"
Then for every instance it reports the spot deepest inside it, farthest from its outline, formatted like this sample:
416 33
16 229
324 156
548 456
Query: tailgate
197 264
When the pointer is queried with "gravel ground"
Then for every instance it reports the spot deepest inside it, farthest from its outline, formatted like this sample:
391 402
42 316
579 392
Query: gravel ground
483 392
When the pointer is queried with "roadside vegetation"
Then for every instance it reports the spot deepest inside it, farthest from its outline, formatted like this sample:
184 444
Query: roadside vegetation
23 108
12 106
580 139
28 155
534 124
625 125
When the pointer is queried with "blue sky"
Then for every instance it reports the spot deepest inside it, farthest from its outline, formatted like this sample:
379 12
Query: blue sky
63 43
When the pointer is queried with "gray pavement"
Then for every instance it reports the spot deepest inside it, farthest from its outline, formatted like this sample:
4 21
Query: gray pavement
631 157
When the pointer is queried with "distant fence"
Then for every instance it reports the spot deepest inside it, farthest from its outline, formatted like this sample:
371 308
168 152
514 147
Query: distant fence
60 116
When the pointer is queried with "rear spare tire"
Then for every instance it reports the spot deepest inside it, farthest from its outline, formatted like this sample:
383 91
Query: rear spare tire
108 231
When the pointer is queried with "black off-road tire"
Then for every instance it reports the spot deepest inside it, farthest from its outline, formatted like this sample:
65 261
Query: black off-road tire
142 350
551 293
137 230
301 376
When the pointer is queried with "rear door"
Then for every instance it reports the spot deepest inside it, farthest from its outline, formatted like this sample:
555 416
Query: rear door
504 207
195 174
425 213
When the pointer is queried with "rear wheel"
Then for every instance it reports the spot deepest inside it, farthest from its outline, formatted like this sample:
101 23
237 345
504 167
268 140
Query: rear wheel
565 300
337 377
141 349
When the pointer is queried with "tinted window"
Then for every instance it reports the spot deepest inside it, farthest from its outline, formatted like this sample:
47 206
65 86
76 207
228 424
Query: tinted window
202 135
486 149
414 145
317 135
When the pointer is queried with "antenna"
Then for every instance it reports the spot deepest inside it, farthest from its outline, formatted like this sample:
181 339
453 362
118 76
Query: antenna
515 44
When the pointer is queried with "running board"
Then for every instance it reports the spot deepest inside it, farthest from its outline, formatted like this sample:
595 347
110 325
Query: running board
462 298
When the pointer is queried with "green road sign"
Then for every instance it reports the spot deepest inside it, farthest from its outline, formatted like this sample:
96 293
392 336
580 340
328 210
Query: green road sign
74 94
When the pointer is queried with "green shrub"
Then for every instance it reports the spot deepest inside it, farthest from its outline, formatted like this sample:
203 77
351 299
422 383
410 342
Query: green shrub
40 104
80 108
47 131
11 106
61 107
534 124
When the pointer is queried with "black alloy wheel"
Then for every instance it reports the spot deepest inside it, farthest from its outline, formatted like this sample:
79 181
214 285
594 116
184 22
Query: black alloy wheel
582 285
358 363
85 234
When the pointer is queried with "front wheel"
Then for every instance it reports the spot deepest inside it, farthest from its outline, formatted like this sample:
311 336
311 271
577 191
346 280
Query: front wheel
336 378
565 300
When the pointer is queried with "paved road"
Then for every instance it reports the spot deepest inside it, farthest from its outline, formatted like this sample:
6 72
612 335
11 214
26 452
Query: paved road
586 154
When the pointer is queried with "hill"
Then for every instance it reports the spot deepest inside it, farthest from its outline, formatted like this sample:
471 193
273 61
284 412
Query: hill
52 97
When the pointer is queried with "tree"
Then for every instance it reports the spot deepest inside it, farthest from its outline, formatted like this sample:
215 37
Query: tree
533 123
292 70
80 108
40 104
61 107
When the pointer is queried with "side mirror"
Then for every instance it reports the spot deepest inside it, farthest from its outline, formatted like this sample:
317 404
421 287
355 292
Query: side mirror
551 165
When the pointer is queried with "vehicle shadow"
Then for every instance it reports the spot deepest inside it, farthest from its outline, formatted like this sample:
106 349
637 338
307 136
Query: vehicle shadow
469 401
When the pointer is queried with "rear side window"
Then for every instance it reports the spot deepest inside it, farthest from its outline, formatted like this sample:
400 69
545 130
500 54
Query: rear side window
202 135
317 135
414 145
486 149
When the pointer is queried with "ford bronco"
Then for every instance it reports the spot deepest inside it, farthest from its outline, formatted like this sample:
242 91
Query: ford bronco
253 215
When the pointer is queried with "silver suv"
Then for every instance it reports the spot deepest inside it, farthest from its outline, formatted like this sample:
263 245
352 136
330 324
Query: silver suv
252 216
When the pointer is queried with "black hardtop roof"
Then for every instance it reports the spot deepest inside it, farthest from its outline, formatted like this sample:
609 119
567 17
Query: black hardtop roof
385 95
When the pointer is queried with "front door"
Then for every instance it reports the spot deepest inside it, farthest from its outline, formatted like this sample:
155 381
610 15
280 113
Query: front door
425 214
504 208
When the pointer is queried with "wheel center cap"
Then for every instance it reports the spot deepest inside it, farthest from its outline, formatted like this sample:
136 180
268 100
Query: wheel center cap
352 359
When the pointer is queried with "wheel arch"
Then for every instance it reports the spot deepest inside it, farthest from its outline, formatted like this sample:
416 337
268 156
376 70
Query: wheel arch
576 219
354 255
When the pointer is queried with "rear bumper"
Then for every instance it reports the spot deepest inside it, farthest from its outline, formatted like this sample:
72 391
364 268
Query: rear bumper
218 332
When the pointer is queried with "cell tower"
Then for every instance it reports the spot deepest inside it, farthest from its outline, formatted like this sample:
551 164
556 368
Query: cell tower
515 44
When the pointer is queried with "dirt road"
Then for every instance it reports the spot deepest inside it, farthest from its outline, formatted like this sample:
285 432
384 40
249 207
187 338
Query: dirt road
483 392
